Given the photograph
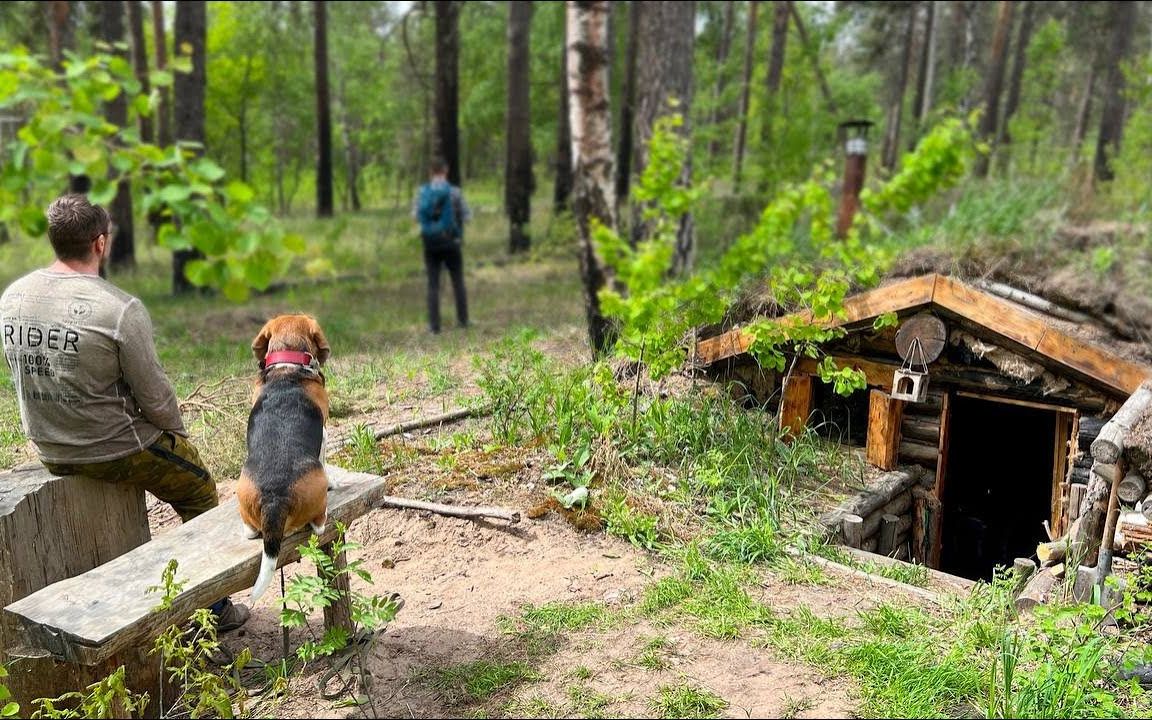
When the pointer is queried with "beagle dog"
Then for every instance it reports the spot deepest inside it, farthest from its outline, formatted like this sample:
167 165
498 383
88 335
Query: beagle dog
282 484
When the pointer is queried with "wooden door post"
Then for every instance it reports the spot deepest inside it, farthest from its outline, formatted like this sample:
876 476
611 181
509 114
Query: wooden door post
884 419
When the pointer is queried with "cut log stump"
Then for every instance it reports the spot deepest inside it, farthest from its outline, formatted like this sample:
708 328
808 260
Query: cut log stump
54 528
1036 591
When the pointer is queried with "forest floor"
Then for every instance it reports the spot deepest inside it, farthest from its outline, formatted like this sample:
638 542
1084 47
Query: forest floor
702 614
542 619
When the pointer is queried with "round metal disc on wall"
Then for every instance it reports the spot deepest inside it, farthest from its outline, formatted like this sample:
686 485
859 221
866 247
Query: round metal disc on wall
931 332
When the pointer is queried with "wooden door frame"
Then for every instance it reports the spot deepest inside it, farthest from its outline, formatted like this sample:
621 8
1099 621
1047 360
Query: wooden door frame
1067 419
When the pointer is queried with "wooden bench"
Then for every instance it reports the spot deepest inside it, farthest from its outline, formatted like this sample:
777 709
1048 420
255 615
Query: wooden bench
104 616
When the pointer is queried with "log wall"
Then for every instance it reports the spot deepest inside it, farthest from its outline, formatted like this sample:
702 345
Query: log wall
881 519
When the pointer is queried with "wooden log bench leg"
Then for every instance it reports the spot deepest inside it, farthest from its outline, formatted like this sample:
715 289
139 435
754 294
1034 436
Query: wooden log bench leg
53 528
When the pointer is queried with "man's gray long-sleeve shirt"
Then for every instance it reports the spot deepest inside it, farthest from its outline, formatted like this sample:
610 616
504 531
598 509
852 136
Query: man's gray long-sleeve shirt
84 364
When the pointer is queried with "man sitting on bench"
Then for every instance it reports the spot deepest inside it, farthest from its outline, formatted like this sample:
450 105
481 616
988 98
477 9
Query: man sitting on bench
93 397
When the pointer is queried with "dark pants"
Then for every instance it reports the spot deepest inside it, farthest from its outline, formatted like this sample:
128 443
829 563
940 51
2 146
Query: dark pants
453 259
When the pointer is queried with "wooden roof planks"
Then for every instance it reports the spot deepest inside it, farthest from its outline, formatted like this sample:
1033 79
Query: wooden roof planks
1023 328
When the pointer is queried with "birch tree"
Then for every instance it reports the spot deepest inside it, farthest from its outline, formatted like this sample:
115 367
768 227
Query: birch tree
591 126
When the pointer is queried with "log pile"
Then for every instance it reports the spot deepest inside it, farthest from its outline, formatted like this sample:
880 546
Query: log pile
879 520
1095 509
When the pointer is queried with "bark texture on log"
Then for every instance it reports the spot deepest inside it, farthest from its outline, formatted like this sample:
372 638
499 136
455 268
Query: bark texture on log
1036 591
1110 443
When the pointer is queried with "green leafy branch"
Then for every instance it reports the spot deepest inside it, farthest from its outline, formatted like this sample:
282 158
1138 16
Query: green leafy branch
793 250
62 131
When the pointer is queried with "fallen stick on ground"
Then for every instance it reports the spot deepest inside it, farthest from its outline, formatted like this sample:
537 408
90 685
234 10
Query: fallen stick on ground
442 419
462 511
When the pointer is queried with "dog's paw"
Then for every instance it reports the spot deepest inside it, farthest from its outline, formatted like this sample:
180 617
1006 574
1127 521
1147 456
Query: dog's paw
331 485
250 533
317 529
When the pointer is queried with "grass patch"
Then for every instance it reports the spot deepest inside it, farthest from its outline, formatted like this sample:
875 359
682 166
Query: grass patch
479 680
686 701
713 596
653 656
564 617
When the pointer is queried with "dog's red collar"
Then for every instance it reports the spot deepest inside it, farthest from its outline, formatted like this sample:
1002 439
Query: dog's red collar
288 357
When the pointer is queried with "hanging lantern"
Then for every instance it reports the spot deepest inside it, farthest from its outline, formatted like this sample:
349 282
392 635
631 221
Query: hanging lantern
910 383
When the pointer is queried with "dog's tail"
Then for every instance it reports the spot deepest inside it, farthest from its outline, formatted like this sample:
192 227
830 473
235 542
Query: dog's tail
274 519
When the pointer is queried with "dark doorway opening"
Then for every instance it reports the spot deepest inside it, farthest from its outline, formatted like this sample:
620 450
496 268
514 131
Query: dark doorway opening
997 485
839 418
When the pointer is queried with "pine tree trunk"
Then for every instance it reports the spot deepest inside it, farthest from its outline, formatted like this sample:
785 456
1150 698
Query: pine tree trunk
1015 82
663 77
591 124
720 114
59 30
813 58
775 72
1083 114
745 96
518 181
891 148
562 189
191 29
140 61
324 205
923 100
123 251
447 144
60 38
351 148
1122 19
989 121
164 106
625 147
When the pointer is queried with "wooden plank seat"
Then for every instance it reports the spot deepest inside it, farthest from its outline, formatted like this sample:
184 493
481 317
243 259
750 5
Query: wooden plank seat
106 611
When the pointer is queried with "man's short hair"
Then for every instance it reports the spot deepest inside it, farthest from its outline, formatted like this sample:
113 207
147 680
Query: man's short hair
73 223
438 166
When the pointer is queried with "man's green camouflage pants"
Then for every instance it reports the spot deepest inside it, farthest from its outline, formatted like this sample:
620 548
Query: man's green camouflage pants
170 469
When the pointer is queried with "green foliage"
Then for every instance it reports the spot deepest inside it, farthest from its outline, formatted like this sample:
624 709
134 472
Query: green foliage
188 654
1058 668
63 132
635 526
307 593
9 708
107 698
793 249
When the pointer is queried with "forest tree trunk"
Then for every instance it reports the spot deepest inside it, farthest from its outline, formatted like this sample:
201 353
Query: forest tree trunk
519 184
164 106
1015 82
720 114
140 61
123 251
562 189
922 103
775 73
591 122
745 96
664 85
891 148
323 112
996 65
191 29
447 145
624 146
1122 19
59 30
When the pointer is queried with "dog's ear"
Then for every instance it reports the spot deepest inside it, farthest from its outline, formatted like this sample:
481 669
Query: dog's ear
260 342
323 350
